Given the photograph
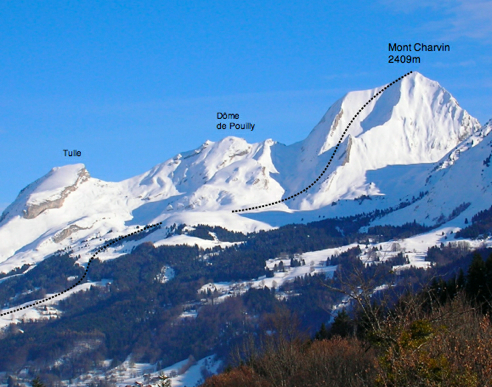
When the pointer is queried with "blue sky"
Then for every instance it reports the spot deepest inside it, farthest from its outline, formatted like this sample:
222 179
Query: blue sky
132 83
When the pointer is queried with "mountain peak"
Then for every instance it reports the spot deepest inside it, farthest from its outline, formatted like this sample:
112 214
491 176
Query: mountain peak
414 120
48 191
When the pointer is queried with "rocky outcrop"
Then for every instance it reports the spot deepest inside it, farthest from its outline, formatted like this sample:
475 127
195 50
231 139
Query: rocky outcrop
33 210
65 233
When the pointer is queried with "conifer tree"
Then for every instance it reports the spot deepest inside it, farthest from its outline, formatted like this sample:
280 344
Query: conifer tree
488 275
322 334
475 283
37 382
460 281
342 325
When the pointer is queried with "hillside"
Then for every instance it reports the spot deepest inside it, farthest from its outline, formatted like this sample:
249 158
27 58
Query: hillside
405 199
407 146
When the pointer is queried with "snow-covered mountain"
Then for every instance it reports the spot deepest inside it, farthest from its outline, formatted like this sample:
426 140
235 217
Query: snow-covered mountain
413 144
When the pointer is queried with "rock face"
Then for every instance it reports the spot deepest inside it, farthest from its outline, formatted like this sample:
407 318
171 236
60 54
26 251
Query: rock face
66 232
34 209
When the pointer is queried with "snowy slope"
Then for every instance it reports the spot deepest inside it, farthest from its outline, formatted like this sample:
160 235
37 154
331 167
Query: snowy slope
461 177
415 121
414 138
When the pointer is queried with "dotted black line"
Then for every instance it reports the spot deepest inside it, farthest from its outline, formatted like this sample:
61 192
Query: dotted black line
148 227
334 152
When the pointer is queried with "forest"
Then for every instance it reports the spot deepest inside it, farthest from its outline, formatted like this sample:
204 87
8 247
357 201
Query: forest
438 336
139 315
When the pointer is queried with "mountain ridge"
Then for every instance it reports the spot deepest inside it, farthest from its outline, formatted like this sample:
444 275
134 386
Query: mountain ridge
414 126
